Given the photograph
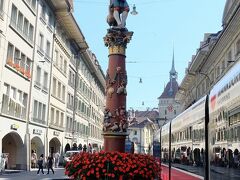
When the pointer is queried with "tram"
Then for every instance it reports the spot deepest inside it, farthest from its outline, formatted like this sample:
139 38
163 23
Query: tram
219 110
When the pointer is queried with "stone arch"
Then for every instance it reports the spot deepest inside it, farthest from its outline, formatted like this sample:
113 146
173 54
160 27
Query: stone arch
54 145
13 146
37 146
67 147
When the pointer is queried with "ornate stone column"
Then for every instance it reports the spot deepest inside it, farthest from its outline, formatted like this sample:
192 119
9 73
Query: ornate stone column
115 115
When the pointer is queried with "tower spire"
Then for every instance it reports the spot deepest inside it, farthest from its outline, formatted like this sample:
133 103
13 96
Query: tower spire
173 72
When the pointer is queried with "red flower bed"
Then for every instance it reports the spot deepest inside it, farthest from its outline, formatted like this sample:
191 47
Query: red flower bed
113 165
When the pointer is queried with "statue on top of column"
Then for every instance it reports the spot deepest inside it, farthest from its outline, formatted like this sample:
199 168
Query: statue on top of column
118 12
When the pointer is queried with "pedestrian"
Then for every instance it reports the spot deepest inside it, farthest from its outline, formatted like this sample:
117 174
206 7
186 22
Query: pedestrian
34 159
50 163
57 156
40 164
84 148
89 148
2 164
80 147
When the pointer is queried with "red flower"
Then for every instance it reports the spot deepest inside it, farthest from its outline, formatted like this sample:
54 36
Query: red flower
115 165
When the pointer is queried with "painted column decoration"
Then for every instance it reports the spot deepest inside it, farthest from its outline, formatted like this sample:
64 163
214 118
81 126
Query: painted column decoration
115 115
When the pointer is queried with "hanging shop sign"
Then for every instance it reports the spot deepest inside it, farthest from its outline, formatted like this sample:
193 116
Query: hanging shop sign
14 126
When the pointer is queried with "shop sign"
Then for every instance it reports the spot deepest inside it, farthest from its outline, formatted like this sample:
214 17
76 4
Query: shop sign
56 133
14 126
37 131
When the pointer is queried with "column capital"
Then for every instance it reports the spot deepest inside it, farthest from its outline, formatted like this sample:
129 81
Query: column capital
116 40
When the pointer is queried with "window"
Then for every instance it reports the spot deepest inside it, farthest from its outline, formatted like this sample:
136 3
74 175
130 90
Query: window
65 66
31 28
52 115
223 66
56 57
59 90
50 20
16 57
238 47
39 110
14 15
62 118
63 93
43 12
45 81
57 117
20 21
61 63
10 53
44 112
229 56
25 27
41 42
33 4
35 106
1 8
48 46
135 132
38 77
54 86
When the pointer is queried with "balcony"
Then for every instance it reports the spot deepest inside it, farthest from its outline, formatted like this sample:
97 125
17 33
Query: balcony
13 108
20 67
37 83
40 121
56 126
40 50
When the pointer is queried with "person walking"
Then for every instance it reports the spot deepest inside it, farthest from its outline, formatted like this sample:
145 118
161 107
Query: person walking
89 148
84 148
57 156
40 164
2 164
50 163
34 159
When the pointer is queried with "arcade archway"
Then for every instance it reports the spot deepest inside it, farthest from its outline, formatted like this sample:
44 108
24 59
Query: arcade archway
54 146
37 146
13 146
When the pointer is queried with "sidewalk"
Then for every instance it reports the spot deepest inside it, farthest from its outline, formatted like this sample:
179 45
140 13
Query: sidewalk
177 174
32 175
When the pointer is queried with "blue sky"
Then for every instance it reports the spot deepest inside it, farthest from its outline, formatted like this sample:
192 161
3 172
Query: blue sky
160 25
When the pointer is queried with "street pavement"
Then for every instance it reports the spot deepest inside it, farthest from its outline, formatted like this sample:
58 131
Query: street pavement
177 174
219 173
32 175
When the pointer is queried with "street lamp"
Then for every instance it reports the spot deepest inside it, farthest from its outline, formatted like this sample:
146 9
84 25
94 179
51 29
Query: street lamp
134 11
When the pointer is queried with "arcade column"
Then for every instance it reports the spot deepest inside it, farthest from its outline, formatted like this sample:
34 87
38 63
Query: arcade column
115 115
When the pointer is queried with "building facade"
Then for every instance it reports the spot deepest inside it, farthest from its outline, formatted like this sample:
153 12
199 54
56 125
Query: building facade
217 54
142 127
51 85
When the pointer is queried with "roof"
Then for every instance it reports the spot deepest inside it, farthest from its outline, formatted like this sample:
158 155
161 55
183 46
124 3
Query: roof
170 90
149 114
141 122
